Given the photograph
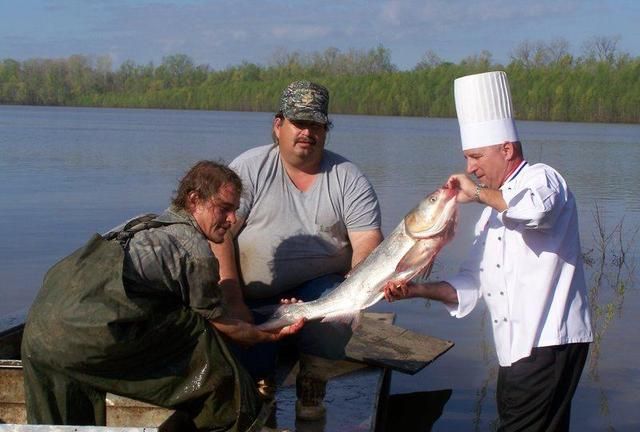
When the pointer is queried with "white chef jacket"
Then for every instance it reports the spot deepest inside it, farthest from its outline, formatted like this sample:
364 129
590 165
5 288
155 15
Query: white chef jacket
526 263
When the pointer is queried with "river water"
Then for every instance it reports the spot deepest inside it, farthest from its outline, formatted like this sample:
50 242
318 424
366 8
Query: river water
66 173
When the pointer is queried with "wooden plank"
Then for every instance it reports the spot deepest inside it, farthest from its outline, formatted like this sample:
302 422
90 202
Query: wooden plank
11 393
379 343
121 411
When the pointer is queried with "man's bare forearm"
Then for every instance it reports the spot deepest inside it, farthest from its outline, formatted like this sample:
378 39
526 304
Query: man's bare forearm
230 279
363 243
440 291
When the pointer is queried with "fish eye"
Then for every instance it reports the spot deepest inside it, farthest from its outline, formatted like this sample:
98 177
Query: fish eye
432 199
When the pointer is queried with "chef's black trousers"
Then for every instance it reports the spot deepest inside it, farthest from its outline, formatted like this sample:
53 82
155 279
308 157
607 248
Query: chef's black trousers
534 393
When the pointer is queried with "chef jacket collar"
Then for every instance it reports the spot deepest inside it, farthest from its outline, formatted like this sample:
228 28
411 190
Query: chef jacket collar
515 173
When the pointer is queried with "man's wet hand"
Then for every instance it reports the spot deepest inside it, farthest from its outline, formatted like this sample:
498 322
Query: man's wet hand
288 330
465 186
395 290
292 300
452 183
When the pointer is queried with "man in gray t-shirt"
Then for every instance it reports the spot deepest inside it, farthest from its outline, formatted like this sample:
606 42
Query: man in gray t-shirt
307 217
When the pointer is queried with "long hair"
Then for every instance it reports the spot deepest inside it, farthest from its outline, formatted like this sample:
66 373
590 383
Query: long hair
205 179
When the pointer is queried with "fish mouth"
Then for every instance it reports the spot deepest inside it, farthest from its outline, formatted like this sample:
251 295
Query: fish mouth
448 192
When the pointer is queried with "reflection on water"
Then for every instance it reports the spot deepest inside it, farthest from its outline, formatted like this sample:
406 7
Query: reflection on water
613 270
612 274
480 423
66 173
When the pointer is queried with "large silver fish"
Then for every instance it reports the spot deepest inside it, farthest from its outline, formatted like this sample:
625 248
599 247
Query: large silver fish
407 252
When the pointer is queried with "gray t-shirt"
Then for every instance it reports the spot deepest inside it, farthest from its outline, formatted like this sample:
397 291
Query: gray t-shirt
291 236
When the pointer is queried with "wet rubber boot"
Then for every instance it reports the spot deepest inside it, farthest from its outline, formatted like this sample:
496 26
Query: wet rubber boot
311 387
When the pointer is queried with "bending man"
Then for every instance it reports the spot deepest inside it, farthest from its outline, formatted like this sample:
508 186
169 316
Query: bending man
138 312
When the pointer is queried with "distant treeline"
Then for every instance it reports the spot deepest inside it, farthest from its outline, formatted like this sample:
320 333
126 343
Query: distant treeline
548 83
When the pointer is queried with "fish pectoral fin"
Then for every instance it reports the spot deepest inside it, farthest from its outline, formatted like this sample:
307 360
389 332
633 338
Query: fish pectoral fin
355 322
350 317
419 257
425 272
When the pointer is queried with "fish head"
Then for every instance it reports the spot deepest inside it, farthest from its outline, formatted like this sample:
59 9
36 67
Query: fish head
435 215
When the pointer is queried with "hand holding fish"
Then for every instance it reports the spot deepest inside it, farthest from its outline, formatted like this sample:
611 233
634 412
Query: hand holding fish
292 300
470 191
246 334
465 186
281 332
397 290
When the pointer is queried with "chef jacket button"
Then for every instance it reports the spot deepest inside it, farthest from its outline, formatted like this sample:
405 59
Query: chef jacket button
499 238
495 321
498 265
504 319
489 294
501 292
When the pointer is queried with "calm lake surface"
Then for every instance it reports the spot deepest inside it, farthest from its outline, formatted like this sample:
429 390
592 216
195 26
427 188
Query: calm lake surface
66 173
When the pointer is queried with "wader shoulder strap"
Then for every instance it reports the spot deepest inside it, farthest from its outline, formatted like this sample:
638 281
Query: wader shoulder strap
135 225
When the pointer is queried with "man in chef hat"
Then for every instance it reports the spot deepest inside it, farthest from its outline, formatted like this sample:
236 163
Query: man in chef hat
525 262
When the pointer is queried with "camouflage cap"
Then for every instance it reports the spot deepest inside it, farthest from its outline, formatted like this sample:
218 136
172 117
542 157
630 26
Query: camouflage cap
304 100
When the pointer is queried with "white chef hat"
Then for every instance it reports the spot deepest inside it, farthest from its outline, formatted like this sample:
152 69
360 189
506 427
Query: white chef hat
485 113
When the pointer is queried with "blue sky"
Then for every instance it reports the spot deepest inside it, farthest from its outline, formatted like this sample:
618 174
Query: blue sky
223 33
